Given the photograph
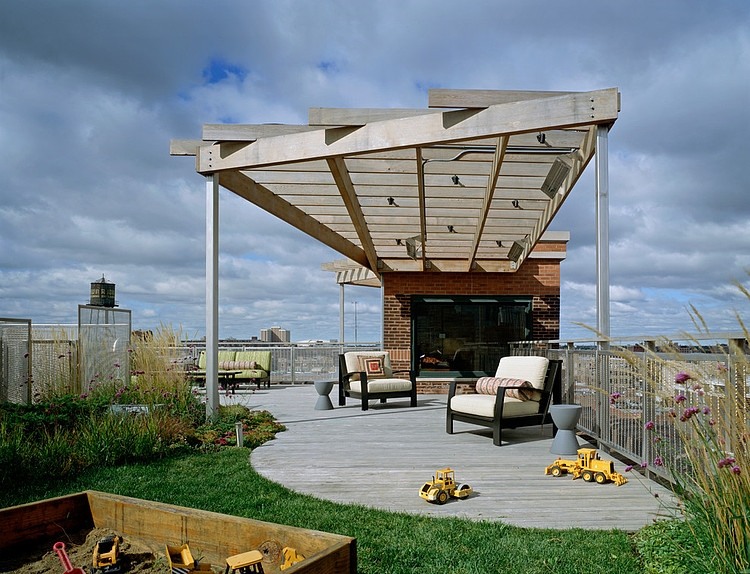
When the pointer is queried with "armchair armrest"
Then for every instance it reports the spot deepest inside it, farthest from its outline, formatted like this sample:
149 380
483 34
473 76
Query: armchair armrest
454 387
412 374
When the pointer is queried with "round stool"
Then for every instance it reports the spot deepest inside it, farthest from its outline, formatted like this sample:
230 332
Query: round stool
565 418
323 388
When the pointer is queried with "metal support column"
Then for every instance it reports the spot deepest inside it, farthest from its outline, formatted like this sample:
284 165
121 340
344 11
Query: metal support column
212 295
342 334
602 231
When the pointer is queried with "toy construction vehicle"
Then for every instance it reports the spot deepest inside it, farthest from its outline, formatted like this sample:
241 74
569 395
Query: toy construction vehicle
587 466
107 559
181 561
443 486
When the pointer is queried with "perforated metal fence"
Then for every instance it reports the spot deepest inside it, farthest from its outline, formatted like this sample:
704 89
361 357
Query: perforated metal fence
104 346
15 360
55 360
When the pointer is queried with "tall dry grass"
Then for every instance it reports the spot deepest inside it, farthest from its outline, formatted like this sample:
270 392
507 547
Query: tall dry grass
710 463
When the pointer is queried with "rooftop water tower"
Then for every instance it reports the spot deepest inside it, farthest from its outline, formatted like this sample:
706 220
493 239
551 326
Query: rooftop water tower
102 293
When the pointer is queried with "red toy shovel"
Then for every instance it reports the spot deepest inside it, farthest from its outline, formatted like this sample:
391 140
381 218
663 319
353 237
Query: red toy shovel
59 548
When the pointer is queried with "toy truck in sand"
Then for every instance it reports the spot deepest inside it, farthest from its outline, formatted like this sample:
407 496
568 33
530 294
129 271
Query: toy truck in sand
587 466
443 486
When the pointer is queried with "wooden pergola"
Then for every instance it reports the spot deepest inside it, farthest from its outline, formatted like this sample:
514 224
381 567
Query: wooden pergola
468 184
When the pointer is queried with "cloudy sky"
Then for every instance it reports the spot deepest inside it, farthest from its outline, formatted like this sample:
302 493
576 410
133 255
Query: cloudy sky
92 92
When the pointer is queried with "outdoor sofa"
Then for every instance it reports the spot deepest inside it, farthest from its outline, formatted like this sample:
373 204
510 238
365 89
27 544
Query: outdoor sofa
252 366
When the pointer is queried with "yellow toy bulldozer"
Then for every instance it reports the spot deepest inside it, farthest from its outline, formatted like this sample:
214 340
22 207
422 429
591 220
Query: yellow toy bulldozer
587 466
443 486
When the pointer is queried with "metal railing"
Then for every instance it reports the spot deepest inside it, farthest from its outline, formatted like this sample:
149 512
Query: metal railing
623 385
292 363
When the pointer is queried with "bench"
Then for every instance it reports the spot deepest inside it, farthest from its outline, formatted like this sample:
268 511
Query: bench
253 366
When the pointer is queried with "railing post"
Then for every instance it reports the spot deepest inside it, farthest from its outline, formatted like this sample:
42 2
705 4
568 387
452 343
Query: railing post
292 362
570 389
737 390
649 403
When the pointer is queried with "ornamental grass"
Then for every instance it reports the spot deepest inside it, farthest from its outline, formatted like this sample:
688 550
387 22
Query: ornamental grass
709 463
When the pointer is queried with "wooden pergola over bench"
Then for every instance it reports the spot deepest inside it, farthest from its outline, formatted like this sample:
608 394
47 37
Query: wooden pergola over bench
468 184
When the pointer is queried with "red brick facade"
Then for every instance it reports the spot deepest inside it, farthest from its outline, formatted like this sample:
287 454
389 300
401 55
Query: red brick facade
538 277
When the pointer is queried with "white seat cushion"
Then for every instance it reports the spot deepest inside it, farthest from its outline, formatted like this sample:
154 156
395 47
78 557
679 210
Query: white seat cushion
532 369
484 406
382 385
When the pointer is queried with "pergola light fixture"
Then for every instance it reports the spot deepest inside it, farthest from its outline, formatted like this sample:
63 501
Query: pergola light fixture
556 176
414 247
455 180
515 203
391 201
451 229
516 250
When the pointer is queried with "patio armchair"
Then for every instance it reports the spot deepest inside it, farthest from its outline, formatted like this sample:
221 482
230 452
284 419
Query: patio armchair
368 375
519 395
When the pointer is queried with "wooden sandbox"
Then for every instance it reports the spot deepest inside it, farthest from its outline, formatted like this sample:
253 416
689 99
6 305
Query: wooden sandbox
26 529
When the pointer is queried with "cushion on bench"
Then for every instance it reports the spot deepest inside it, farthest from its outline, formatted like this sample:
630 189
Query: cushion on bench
532 369
359 361
484 406
381 385
490 385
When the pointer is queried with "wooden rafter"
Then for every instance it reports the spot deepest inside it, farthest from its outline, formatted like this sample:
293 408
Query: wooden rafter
245 187
497 163
344 183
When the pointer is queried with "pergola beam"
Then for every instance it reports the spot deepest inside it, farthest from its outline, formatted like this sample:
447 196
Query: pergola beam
452 126
345 186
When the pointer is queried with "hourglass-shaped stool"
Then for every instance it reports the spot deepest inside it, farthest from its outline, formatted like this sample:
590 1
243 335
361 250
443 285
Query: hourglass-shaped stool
565 418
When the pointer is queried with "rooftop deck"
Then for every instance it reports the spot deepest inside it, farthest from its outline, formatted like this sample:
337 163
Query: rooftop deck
380 458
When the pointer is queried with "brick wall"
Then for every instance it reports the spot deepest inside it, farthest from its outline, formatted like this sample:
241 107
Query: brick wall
539 278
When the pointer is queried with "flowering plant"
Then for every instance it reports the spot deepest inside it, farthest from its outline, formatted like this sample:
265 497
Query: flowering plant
701 439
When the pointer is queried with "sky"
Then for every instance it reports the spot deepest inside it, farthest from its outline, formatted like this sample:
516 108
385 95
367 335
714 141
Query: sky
92 92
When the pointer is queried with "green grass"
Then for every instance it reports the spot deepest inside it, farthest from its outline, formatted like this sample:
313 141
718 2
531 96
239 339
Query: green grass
387 542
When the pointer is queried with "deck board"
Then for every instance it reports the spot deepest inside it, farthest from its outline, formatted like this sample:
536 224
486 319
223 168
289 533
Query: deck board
381 457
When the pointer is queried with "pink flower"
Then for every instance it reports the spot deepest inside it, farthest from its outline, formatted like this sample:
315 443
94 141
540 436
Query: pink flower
682 377
650 425
706 411
680 398
658 461
613 397
736 469
629 468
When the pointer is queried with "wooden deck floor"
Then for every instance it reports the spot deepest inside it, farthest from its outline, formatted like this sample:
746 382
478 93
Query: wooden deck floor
381 457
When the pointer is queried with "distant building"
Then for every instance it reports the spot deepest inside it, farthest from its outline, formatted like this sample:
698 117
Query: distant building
275 335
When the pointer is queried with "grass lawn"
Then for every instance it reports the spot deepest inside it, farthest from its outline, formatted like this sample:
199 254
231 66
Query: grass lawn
387 542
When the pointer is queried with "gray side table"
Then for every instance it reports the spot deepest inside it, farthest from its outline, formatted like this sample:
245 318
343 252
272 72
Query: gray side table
565 418
323 388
